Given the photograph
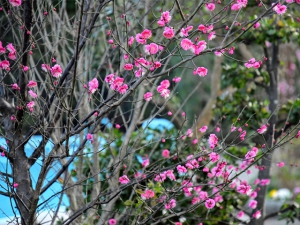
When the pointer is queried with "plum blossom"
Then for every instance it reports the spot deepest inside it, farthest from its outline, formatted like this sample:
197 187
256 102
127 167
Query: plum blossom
262 129
201 71
93 85
212 141
210 6
15 185
198 48
211 35
257 214
279 9
209 203
146 34
240 214
5 65
15 86
244 188
148 96
56 71
280 164
30 104
164 19
171 204
169 32
151 49
252 204
166 153
256 25
2 49
32 94
112 222
240 3
147 194
15 2
89 137
130 41
124 179
186 44
184 32
176 79
214 157
46 67
181 169
203 129
128 66
163 88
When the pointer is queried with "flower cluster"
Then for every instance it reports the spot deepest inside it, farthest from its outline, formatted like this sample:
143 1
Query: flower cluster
116 83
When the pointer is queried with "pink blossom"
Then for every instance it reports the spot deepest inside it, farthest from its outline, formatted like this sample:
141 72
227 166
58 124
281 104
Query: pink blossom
112 222
122 89
30 104
203 129
231 50
4 65
148 96
170 113
56 71
146 34
118 126
198 48
264 182
2 49
202 28
93 85
45 67
168 32
181 169
210 6
212 141
32 94
195 141
11 48
15 86
201 71
184 32
145 162
214 157
130 41
147 194
166 153
13 118
209 203
256 25
244 188
110 41
186 44
89 137
157 64
124 179
109 78
140 39
257 214
128 66
279 9
151 49
280 164
252 204
240 214
298 134
12 55
262 129
15 185
171 204
211 35
116 83
25 68
164 19
176 79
